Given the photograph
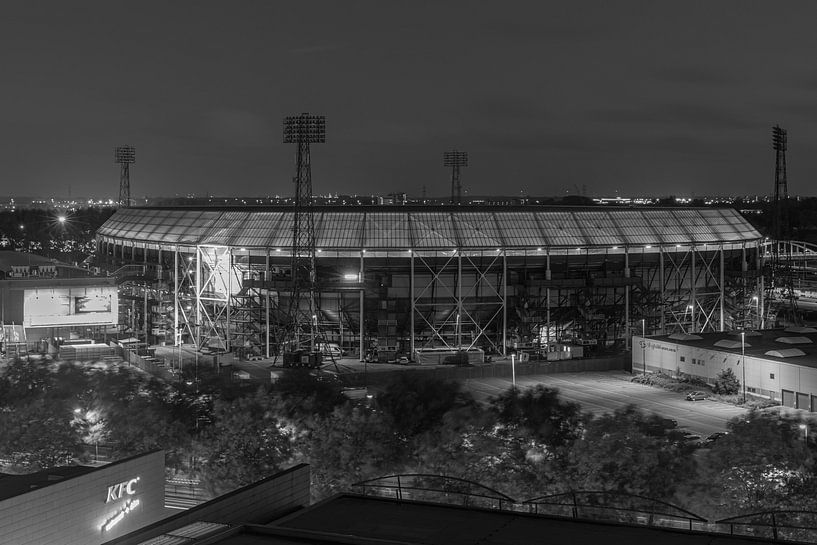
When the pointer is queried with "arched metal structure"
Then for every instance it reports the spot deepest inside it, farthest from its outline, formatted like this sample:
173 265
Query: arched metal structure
619 506
497 278
418 485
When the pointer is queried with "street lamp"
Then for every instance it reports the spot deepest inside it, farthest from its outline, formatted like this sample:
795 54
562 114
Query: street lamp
743 361
513 370
644 344
805 432
756 317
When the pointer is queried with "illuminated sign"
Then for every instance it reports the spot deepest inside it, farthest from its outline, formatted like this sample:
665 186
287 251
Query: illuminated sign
119 490
129 506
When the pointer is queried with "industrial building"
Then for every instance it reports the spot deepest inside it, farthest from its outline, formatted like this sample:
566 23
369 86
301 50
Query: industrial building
45 303
779 364
404 279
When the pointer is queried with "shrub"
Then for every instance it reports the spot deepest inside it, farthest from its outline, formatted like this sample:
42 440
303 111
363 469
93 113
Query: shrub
726 382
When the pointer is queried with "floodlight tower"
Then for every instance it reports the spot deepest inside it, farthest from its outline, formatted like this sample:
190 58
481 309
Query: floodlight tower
303 130
781 281
125 156
455 159
781 190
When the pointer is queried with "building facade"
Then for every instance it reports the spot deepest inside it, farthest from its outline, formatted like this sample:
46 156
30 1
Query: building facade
779 364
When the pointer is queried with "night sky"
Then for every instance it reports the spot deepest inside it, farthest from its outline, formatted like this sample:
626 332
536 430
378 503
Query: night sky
548 98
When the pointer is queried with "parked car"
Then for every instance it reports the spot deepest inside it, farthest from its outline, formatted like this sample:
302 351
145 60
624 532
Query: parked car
714 437
696 396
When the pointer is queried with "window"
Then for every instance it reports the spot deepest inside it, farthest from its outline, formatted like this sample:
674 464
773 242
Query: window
771 375
683 358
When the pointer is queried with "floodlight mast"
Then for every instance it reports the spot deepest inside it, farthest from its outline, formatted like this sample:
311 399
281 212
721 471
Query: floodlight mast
455 159
303 130
125 156
781 281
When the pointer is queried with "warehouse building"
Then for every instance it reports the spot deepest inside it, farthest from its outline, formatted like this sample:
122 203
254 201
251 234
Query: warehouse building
45 303
779 364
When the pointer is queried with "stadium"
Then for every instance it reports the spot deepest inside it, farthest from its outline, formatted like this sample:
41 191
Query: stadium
403 279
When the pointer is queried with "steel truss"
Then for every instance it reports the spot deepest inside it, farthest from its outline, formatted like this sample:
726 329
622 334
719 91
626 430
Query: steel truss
226 297
459 300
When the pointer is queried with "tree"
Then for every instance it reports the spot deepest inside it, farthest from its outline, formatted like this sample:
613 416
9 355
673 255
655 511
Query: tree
38 435
756 467
305 395
350 445
539 410
726 382
246 442
417 403
470 444
620 452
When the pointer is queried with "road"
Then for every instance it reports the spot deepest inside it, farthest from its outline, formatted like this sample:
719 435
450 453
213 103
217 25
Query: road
604 392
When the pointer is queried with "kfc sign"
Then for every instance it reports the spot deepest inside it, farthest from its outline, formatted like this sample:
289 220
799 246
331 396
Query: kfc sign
120 490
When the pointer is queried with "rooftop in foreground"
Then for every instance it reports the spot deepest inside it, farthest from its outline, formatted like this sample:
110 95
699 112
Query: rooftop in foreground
349 518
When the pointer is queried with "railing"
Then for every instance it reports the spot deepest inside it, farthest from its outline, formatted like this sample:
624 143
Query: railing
784 525
619 507
430 487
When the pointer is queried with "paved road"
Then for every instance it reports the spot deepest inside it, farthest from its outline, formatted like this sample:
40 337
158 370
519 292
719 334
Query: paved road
603 392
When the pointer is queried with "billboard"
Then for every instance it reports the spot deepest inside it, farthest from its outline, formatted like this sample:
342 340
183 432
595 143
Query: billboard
54 307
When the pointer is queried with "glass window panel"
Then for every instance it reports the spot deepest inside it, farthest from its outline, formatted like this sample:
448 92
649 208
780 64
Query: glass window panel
477 230
387 230
433 230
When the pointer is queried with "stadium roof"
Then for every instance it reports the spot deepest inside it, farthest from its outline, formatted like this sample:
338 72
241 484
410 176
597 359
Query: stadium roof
433 227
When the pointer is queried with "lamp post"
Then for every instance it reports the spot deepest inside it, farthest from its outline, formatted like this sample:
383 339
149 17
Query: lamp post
513 370
805 432
644 344
756 317
743 361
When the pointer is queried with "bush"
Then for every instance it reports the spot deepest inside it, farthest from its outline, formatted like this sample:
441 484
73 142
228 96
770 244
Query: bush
726 382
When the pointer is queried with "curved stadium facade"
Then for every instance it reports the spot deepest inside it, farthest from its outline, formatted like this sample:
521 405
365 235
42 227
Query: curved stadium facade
411 277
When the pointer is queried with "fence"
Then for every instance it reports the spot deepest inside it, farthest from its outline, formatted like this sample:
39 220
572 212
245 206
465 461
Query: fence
494 370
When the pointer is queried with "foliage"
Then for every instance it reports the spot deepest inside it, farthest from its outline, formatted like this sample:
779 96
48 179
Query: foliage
681 383
755 467
245 443
625 452
726 382
349 445
416 403
540 411
37 435
305 395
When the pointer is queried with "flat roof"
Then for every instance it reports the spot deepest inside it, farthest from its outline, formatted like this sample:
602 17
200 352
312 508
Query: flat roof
756 344
349 518
13 485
